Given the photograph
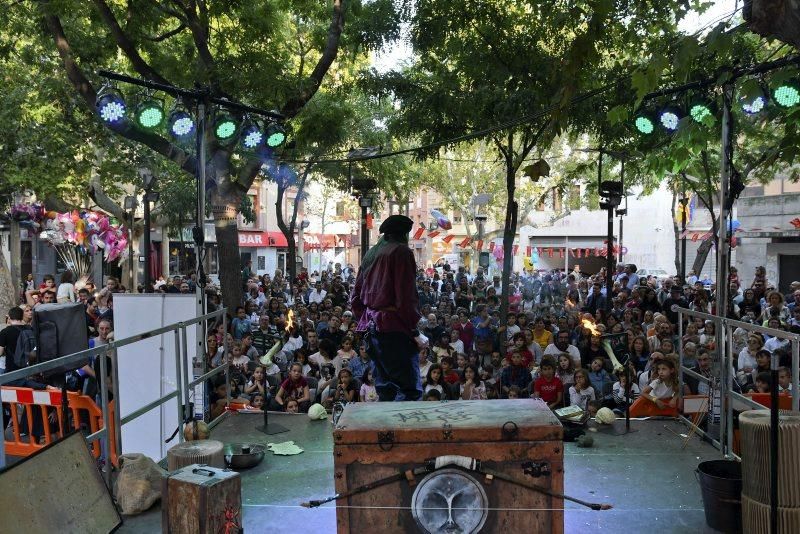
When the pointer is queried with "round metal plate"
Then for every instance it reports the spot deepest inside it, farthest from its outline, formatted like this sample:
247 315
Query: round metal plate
449 501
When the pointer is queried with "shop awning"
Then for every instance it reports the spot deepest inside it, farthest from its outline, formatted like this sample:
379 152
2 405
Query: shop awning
325 241
262 239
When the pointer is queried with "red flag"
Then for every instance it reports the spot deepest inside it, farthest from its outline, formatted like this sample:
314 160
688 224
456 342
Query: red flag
434 233
695 236
549 252
465 243
491 246
515 250
369 221
448 238
561 253
528 250
419 232
796 223
479 245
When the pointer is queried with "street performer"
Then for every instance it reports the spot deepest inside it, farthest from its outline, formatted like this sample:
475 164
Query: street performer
385 302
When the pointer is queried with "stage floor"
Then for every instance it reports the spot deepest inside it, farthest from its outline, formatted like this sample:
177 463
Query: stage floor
646 475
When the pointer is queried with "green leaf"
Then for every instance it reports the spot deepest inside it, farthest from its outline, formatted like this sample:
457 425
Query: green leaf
618 114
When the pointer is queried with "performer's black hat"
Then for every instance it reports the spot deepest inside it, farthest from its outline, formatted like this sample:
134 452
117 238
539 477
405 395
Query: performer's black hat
396 224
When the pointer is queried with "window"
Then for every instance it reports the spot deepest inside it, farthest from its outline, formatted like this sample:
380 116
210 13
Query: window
456 217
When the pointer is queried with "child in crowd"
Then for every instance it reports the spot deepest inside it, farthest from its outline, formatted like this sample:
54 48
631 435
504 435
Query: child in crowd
785 381
434 381
346 352
301 357
515 374
240 324
514 392
257 385
618 390
566 370
257 402
472 388
368 392
238 359
248 349
600 380
433 395
294 387
450 375
763 382
548 387
580 393
292 406
659 397
346 389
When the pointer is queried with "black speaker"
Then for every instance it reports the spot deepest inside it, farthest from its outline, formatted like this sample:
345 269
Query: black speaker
60 329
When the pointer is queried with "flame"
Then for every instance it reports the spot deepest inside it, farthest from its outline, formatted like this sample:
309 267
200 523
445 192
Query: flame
590 326
289 321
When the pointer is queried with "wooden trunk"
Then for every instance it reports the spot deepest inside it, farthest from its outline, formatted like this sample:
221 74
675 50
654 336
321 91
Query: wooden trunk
199 499
519 438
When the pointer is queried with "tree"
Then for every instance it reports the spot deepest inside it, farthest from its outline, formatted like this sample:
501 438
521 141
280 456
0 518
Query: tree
762 143
223 46
481 64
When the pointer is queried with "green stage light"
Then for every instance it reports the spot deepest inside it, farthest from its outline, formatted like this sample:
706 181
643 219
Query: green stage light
150 114
276 135
644 124
787 94
701 110
225 127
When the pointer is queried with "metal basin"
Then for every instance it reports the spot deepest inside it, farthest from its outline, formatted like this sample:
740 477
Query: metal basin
243 455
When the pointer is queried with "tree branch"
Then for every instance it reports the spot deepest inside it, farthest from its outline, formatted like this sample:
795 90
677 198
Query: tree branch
311 84
167 35
84 87
125 44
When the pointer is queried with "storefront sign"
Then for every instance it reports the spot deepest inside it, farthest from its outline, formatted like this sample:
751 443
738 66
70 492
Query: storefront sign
262 239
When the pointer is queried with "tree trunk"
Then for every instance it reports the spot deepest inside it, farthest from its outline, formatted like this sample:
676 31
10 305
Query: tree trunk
704 249
230 268
8 293
288 231
509 231
677 232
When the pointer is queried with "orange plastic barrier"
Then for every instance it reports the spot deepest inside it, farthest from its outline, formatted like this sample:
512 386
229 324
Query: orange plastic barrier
48 401
644 407
765 399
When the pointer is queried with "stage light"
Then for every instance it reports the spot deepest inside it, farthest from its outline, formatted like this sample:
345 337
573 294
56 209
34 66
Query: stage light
700 110
111 107
644 123
754 104
669 118
225 127
180 124
252 137
276 135
150 114
787 94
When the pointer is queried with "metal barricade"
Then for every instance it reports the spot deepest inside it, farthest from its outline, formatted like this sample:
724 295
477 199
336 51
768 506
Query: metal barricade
111 418
723 382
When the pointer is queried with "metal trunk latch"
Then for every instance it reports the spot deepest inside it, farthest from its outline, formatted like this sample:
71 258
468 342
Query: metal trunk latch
447 432
510 430
536 469
386 440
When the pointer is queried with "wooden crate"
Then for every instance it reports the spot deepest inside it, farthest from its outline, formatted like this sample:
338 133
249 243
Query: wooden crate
200 499
376 440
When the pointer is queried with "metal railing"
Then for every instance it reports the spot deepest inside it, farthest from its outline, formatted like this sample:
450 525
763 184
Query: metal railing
724 381
181 394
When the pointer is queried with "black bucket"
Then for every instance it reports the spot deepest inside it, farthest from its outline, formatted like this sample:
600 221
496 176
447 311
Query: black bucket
721 484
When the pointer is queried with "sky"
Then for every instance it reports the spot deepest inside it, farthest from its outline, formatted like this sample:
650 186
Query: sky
393 56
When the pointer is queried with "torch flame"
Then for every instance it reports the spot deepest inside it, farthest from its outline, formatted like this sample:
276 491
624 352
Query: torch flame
590 326
289 321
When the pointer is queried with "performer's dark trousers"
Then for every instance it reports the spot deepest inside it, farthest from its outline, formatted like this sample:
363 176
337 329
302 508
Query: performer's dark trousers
396 366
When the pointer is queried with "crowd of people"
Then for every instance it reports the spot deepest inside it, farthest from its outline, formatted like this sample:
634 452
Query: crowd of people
295 343
550 346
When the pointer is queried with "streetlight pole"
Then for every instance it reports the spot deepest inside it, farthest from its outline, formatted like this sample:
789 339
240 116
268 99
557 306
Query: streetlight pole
684 201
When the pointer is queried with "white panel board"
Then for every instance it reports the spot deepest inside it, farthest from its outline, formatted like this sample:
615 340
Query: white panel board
147 368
